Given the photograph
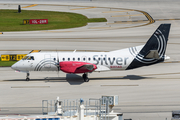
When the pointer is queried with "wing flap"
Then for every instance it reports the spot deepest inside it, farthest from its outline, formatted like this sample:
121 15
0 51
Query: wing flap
86 67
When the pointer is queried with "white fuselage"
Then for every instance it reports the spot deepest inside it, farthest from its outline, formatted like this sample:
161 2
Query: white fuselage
46 61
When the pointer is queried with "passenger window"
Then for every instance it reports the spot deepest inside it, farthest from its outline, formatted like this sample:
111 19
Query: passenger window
54 59
89 59
73 59
63 59
78 59
68 59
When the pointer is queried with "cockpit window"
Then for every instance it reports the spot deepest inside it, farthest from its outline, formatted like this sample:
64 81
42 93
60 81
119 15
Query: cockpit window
31 58
25 57
28 58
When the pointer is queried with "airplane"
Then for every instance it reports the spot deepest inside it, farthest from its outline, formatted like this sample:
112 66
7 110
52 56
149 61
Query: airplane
87 62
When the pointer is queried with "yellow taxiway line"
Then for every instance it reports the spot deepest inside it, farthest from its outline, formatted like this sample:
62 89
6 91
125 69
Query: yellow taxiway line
30 6
151 20
83 8
126 15
128 22
117 11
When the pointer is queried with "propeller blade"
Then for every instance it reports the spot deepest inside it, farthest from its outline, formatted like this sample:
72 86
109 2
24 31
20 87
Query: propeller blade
57 64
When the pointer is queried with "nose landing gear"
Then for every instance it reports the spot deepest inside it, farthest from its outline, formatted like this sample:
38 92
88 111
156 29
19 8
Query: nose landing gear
27 77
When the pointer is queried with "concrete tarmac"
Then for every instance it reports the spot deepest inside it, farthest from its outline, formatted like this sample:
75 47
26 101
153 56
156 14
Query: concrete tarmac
144 94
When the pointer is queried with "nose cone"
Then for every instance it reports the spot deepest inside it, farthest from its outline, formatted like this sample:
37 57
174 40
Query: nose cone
19 66
14 66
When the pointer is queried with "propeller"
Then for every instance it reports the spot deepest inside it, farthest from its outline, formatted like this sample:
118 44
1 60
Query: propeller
57 64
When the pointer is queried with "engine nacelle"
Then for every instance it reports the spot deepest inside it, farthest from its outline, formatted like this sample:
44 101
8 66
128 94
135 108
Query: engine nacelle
77 67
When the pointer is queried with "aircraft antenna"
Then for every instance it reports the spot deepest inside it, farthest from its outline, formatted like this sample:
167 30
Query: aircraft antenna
74 50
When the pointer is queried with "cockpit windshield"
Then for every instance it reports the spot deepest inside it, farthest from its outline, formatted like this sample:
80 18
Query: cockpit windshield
25 57
28 58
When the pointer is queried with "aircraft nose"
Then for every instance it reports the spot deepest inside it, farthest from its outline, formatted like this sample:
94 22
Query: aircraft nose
14 66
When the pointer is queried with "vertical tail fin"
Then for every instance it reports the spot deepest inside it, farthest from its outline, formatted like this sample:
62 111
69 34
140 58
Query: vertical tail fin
154 50
157 41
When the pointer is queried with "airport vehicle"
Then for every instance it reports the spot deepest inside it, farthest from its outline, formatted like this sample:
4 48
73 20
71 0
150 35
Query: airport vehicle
86 62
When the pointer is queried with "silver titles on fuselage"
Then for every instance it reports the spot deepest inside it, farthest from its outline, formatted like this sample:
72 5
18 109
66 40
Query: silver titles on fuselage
100 59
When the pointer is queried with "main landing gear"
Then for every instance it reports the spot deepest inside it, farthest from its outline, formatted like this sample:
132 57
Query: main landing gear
27 77
84 76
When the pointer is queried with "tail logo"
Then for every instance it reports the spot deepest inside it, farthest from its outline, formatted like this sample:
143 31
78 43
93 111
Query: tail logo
160 42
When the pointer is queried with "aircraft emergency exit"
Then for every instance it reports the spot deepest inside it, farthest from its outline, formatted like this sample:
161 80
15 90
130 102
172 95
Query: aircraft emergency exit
86 62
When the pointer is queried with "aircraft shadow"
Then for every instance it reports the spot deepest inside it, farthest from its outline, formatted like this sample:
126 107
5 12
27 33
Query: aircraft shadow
74 79
130 77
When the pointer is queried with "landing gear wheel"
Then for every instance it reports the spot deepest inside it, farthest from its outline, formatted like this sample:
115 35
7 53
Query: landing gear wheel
86 79
27 77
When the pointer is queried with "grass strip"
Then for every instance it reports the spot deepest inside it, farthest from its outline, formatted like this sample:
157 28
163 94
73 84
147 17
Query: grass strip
6 63
10 20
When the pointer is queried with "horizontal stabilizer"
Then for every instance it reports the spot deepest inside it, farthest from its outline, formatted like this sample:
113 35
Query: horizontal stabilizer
167 57
152 54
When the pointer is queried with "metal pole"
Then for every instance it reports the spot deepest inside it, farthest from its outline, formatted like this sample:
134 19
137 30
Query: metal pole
100 108
42 106
86 107
76 105
67 106
95 107
47 106
70 108
51 105
106 108
64 106
54 105
73 108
